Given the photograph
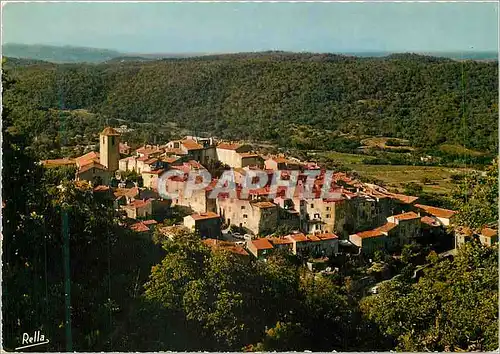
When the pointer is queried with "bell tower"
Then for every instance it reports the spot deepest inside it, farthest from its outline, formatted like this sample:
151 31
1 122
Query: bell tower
109 152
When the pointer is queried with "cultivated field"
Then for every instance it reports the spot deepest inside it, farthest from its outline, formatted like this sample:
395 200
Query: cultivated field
396 176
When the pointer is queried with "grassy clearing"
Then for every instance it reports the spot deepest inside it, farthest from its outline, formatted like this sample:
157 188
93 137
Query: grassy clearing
381 143
396 176
459 150
345 158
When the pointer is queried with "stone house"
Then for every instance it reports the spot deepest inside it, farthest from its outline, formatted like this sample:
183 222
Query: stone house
398 231
260 248
257 217
281 163
444 216
208 225
236 155
139 208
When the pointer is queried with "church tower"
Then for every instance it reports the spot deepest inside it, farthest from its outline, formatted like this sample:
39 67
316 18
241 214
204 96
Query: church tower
109 152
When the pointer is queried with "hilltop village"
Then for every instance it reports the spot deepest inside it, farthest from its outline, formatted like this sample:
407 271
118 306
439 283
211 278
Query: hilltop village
362 218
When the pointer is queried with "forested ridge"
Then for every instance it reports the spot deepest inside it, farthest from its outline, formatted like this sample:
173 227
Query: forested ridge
128 294
270 96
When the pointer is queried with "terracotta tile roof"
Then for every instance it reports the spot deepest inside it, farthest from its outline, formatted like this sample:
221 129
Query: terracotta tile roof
139 227
110 132
148 150
229 146
327 236
87 158
489 232
248 154
101 188
58 162
190 144
262 244
407 199
264 205
124 147
406 216
280 240
438 212
143 158
150 222
386 227
429 221
205 216
170 159
176 151
150 161
129 192
313 237
370 233
137 203
91 165
298 237
155 172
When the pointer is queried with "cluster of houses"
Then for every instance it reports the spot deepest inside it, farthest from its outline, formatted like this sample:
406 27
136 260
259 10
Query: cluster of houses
367 215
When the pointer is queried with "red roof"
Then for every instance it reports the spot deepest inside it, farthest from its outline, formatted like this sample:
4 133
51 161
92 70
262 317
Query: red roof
205 216
370 233
280 240
262 244
313 237
90 165
429 221
101 188
150 222
139 227
264 205
407 199
150 161
406 216
248 154
87 158
129 192
190 144
327 236
228 146
138 203
438 212
387 227
298 237
110 132
58 162
489 232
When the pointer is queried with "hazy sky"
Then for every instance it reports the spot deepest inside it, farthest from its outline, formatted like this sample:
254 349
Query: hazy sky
234 27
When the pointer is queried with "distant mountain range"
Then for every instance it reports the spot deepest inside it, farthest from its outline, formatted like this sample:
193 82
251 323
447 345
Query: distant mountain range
71 54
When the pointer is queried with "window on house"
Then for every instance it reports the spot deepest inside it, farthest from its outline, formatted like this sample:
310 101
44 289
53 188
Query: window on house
242 207
317 216
328 216
312 205
245 216
327 208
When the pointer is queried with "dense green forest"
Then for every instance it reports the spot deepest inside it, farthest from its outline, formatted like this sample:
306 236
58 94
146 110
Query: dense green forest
129 294
275 97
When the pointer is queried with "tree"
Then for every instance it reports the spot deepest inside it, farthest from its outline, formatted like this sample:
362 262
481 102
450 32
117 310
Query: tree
452 307
476 199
